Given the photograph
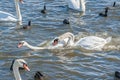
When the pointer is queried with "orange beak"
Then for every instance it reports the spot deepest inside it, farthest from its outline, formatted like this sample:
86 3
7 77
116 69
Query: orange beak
26 67
20 45
21 1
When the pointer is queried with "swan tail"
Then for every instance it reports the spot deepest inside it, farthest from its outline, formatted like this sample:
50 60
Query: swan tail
108 39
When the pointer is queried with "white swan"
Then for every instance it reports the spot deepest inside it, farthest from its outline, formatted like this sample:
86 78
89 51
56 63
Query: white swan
16 65
68 40
89 42
24 43
78 5
6 17
93 42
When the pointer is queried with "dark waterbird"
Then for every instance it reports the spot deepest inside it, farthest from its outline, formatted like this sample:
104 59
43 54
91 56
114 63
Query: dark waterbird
27 26
114 4
38 76
104 14
66 21
44 11
117 75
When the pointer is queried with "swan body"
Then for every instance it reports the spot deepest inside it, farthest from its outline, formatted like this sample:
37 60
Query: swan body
16 65
68 40
4 16
78 5
89 42
7 17
93 42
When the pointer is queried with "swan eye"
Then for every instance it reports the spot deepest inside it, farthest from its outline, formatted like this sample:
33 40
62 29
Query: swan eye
25 67
56 40
20 44
24 64
21 1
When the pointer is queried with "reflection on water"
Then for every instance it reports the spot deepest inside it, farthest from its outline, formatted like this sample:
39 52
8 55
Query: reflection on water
66 64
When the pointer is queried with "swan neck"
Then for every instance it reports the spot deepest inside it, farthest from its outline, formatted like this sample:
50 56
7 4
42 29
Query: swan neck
82 5
19 17
16 72
34 47
70 42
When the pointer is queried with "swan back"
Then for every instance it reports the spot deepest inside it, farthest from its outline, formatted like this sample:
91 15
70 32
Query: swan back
66 39
108 39
93 42
4 16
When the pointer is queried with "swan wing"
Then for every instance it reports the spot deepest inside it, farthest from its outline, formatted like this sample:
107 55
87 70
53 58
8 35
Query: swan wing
73 4
4 16
78 5
92 43
56 46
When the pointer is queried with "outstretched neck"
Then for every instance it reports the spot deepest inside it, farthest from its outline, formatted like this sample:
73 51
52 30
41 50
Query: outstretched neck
16 73
34 47
19 17
70 41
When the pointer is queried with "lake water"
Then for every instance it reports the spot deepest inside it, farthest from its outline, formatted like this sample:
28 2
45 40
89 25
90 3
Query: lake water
73 64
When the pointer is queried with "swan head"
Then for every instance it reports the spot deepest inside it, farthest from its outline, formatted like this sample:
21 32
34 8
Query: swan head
21 1
55 42
20 64
22 43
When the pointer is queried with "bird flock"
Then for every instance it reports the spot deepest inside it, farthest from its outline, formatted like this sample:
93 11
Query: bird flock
66 39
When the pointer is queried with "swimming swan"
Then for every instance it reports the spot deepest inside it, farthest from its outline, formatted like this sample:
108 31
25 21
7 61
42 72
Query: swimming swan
6 17
68 40
78 5
24 43
16 65
89 42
